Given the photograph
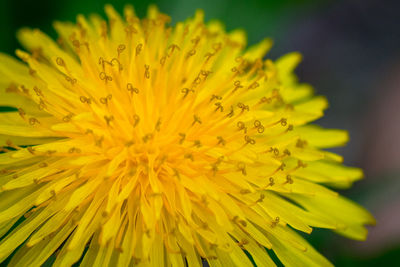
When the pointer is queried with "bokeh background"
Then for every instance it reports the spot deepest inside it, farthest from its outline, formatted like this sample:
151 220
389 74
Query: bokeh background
351 52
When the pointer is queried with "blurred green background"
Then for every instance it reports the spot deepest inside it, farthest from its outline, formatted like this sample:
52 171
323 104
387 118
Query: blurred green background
351 55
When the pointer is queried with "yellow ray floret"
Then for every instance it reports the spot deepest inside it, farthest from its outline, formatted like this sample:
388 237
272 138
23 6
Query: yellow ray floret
136 142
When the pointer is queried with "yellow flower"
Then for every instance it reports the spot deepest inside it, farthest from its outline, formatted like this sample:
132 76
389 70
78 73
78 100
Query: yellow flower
137 142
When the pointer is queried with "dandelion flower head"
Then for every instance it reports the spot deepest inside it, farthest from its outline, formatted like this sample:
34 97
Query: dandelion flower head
134 142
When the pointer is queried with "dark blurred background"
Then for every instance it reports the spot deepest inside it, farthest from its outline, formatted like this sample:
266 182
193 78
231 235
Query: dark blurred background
351 54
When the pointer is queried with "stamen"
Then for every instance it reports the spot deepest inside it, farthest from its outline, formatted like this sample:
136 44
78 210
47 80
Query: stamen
242 126
172 48
71 80
99 142
84 99
186 91
21 112
43 165
31 150
42 105
197 143
262 196
259 126
274 223
74 150
215 97
108 119
208 56
183 136
189 156
289 128
249 140
196 119
136 120
132 89
219 107
243 106
254 85
60 62
158 125
191 53
221 140
147 71
120 49
271 181
301 143
33 121
67 118
147 137
217 46
38 91
119 63
104 100
138 49
231 113
237 86
289 179
242 167
104 77
245 191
